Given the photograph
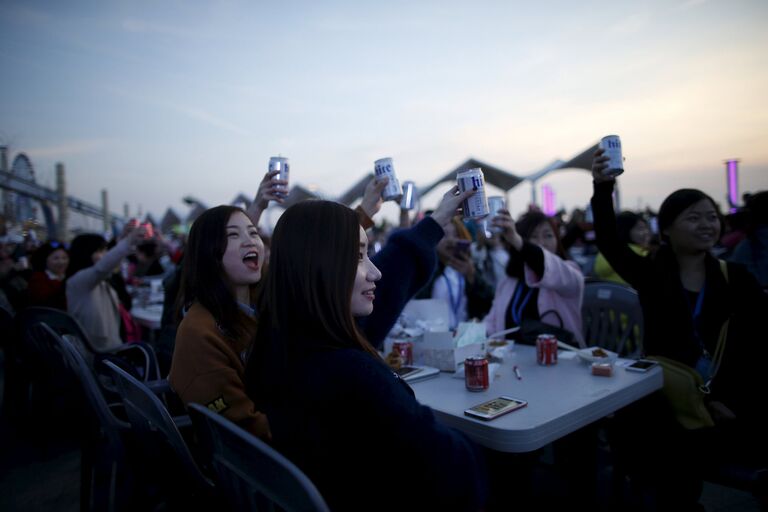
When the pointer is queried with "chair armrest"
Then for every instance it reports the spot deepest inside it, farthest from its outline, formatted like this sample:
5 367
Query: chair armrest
159 386
182 421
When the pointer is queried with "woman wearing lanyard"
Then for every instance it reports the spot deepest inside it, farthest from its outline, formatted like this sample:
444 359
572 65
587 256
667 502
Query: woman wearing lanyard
456 280
686 299
540 284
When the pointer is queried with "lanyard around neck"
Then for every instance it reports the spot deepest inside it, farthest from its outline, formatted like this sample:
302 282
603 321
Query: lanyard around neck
517 311
455 301
696 314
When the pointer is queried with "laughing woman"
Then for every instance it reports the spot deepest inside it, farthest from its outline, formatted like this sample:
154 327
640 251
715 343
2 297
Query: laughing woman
335 408
222 266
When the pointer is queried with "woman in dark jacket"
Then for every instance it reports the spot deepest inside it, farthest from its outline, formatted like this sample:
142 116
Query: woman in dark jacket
334 406
686 299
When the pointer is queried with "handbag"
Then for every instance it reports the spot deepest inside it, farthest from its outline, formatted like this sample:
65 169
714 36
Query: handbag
530 329
685 389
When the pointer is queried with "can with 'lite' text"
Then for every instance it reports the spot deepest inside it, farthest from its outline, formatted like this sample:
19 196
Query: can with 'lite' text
611 144
474 207
383 168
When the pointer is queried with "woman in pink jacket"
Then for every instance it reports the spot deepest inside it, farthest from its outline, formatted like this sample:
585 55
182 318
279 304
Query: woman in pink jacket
540 283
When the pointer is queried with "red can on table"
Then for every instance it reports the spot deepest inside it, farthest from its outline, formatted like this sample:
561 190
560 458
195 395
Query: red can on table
546 349
476 373
405 349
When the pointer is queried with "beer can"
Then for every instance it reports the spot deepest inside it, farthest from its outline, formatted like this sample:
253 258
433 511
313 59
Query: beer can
612 146
476 373
546 349
279 163
408 201
476 206
383 168
405 350
495 203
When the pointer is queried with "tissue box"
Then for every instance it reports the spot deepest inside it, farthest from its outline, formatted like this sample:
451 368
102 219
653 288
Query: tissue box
438 349
425 323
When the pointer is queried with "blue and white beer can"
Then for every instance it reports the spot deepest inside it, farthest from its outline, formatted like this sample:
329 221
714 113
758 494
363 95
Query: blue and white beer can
383 168
611 144
474 207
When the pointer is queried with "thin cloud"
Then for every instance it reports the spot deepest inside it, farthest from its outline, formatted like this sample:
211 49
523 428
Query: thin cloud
690 4
191 112
149 27
631 24
69 148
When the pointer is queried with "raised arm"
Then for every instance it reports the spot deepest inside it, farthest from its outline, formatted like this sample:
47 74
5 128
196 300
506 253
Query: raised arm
628 264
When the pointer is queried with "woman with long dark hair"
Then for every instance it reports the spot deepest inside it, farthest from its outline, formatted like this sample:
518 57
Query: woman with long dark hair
541 283
335 408
90 297
222 265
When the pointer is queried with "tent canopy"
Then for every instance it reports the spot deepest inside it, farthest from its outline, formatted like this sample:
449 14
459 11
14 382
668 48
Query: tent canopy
494 175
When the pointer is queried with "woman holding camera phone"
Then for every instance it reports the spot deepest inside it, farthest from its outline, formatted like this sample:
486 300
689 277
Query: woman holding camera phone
687 296
335 408
541 284
456 280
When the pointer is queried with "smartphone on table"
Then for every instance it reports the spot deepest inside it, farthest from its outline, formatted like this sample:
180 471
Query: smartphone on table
641 365
495 408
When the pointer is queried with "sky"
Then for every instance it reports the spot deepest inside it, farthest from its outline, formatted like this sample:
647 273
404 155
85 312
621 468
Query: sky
155 101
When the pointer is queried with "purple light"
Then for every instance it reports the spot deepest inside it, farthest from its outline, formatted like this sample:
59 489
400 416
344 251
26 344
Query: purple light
732 170
548 199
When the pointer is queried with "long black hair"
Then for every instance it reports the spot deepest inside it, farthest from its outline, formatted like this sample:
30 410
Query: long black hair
81 251
202 275
305 303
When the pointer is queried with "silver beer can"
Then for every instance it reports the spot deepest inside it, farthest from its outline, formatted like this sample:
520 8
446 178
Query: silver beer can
383 168
279 163
495 203
410 196
612 146
476 206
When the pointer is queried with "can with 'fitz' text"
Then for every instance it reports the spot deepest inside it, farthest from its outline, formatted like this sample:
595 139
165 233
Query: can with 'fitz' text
404 350
611 144
546 349
474 207
383 168
279 163
476 373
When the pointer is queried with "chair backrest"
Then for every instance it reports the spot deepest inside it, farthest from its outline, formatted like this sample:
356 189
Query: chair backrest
60 321
52 345
612 318
149 418
102 475
248 471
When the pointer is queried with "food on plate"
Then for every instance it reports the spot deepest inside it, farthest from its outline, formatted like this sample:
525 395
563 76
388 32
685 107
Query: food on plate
602 369
394 359
598 352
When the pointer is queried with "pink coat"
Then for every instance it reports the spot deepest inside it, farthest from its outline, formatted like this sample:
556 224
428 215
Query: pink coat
561 288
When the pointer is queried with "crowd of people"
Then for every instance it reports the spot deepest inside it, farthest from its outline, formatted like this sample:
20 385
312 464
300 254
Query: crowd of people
282 335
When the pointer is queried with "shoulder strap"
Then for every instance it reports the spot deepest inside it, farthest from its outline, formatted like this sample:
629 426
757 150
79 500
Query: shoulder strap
720 348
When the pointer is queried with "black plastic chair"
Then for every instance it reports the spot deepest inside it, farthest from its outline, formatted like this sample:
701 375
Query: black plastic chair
249 473
141 356
612 318
157 431
105 480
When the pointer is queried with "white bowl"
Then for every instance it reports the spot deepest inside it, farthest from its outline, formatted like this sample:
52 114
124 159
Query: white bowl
586 355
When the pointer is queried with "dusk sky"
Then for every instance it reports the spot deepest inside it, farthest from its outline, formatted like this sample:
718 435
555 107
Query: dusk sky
158 100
